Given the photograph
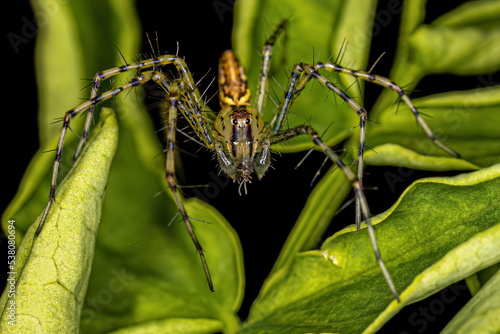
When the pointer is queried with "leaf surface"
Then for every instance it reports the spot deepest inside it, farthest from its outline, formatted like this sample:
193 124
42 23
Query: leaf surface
52 272
326 290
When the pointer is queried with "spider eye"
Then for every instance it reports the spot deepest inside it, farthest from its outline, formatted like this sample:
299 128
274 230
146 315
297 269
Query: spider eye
247 121
235 122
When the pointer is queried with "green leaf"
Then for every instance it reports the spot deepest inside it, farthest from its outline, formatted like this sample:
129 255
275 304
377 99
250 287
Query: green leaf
476 281
464 41
185 326
317 214
480 314
471 30
326 290
465 121
67 41
52 272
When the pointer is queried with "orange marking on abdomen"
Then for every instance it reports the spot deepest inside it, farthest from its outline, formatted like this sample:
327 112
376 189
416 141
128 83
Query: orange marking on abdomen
233 84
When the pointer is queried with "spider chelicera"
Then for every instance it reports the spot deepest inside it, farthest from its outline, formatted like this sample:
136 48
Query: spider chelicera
238 134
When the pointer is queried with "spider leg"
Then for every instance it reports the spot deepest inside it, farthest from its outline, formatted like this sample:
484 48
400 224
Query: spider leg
355 183
156 62
302 73
137 81
267 51
387 83
170 130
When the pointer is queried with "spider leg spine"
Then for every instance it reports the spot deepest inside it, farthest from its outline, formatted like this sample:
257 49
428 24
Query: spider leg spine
157 61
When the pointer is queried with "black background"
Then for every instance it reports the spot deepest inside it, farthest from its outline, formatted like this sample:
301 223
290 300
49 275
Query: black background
203 34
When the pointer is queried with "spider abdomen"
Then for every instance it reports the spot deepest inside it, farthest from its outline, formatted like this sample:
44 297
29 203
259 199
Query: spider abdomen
233 84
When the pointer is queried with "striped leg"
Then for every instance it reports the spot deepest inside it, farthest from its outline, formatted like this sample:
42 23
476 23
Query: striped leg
265 66
386 83
355 182
191 93
362 127
300 76
170 131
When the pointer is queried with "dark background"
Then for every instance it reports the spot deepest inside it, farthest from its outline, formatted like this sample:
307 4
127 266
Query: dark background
203 34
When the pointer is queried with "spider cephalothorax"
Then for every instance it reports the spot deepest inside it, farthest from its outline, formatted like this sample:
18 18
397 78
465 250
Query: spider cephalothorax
241 145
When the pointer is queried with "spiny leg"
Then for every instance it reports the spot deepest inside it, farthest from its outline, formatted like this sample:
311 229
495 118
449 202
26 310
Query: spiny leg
300 76
156 62
170 130
362 127
386 83
355 183
265 66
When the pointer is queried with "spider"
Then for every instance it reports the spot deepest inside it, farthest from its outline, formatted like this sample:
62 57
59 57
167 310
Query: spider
238 135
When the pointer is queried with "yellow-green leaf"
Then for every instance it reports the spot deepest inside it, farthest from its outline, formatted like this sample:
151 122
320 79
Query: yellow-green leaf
425 247
52 271
465 121
463 41
185 326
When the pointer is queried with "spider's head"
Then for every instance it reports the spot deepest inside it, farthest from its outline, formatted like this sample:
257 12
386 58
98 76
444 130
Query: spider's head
241 145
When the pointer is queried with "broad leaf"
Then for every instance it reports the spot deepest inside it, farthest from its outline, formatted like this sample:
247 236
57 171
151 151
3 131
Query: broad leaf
326 290
465 120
